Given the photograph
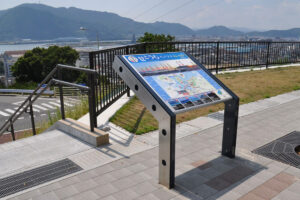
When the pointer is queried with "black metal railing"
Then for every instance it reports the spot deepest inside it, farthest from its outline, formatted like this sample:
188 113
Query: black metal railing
50 80
215 56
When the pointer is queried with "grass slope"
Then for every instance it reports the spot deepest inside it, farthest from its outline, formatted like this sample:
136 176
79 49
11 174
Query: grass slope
249 86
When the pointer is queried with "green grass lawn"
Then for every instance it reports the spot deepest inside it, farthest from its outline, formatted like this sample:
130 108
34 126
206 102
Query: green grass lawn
249 86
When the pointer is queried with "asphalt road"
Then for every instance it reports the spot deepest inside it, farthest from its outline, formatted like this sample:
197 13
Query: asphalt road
42 107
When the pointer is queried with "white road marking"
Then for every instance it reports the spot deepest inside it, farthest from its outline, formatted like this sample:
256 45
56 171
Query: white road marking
43 114
67 104
10 110
19 102
48 106
21 118
35 110
56 104
4 114
40 107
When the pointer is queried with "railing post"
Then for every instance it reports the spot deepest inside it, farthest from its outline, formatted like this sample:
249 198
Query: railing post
91 99
32 117
128 91
61 96
217 59
91 93
268 54
144 47
127 50
12 130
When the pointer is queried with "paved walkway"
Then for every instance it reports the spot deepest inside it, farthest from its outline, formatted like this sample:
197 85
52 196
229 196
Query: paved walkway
128 167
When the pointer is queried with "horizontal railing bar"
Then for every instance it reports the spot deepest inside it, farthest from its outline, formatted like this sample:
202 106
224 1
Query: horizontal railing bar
116 48
70 84
90 71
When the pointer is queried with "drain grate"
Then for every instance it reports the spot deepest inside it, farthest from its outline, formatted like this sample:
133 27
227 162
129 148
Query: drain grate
282 149
37 176
217 115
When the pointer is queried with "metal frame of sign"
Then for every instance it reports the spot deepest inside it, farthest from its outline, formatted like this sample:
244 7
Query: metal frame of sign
166 117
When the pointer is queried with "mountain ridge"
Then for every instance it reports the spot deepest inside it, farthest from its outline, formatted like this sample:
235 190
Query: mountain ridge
42 22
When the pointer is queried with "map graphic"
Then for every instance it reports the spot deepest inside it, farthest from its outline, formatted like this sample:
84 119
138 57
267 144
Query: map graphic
183 84
177 79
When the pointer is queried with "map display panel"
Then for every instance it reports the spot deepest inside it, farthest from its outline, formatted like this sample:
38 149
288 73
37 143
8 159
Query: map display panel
177 79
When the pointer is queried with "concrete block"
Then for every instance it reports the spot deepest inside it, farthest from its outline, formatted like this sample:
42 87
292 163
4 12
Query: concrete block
82 132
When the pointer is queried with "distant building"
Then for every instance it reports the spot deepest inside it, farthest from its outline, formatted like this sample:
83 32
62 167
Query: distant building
133 41
83 60
9 59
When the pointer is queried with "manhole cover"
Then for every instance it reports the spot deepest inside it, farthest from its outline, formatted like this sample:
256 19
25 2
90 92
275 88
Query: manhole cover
285 149
30 178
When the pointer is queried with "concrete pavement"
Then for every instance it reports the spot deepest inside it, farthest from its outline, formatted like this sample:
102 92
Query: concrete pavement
128 167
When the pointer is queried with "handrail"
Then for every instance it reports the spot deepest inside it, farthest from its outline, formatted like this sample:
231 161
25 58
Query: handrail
15 116
22 108
90 71
71 84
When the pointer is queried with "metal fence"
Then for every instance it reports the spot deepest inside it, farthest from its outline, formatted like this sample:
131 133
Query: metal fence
215 56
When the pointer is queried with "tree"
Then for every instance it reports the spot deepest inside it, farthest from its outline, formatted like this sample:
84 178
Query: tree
36 64
160 39
149 37
1 67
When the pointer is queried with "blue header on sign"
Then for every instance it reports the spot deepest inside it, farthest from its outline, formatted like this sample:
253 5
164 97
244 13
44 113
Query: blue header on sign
156 57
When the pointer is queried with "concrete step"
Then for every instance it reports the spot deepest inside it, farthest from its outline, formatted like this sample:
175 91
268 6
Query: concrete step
82 132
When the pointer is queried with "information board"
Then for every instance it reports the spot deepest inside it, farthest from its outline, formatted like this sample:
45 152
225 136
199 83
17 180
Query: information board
178 80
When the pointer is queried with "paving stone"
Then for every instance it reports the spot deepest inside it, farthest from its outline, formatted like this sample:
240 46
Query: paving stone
127 194
190 180
149 196
204 191
163 194
295 187
108 198
120 173
187 196
202 165
227 196
87 195
104 179
218 183
276 185
102 170
30 194
69 181
50 187
85 185
85 175
286 178
104 190
264 192
123 183
136 168
251 196
288 195
144 188
66 192
47 196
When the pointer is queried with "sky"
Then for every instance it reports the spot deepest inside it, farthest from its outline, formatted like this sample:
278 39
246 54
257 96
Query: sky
196 14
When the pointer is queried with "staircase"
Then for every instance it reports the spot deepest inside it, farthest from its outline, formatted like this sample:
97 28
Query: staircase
89 134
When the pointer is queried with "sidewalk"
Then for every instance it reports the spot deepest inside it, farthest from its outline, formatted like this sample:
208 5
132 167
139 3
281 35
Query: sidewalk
128 167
